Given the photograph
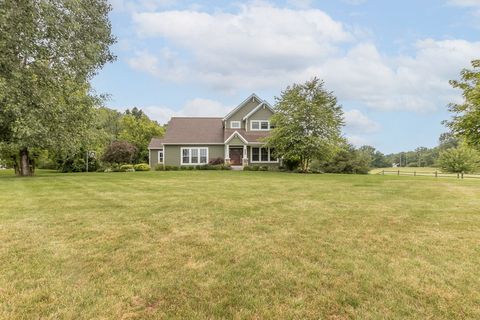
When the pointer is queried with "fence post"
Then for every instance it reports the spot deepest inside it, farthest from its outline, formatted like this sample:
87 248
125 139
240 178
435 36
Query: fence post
383 172
462 174
414 173
458 175
436 174
398 173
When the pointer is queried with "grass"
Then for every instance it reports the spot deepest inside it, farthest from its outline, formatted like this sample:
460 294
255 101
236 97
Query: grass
241 245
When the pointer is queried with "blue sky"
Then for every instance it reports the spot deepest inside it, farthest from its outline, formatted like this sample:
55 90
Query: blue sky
388 62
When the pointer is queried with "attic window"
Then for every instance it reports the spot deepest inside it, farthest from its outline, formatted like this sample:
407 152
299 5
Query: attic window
235 124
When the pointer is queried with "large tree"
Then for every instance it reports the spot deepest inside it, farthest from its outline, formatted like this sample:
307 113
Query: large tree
49 51
466 115
307 123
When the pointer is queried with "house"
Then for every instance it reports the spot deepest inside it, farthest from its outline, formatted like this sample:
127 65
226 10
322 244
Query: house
235 138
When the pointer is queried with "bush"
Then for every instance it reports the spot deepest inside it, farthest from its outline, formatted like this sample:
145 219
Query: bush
172 168
225 167
458 160
247 168
119 152
159 167
291 164
217 161
263 168
141 167
126 167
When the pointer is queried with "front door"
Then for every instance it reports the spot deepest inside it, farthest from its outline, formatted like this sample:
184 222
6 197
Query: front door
236 155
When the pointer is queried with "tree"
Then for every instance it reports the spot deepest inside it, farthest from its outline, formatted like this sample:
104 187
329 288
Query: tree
457 160
138 129
348 160
49 50
119 152
466 116
307 123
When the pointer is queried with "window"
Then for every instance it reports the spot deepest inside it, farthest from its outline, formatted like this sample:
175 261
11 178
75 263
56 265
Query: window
263 125
194 156
203 155
160 156
263 155
186 156
235 124
255 154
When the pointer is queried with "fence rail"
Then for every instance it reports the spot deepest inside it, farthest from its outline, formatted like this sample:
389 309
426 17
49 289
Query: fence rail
436 174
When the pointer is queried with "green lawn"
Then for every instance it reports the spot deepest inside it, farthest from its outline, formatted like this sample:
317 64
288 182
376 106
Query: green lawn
241 245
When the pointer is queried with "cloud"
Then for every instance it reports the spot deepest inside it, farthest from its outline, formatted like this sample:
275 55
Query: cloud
265 47
197 107
358 123
464 3
140 5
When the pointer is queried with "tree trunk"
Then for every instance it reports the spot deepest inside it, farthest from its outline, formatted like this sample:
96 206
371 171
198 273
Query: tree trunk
24 168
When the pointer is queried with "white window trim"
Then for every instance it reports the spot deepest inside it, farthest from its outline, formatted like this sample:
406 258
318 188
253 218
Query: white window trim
238 123
190 156
163 156
259 125
260 156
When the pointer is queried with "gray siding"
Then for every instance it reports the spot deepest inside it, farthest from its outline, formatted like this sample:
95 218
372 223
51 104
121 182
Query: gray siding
153 158
241 113
173 152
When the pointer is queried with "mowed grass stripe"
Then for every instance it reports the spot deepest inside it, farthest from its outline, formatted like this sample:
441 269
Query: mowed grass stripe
238 245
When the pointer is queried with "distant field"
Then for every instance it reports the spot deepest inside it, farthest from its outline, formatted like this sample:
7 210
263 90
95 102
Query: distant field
238 245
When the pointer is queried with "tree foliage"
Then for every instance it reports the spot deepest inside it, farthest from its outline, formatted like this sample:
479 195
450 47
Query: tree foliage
49 50
349 160
138 129
120 152
460 159
307 123
466 116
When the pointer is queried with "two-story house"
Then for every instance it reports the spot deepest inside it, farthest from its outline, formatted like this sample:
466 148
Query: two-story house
236 138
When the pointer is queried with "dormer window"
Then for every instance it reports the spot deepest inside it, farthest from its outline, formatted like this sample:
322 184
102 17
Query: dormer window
235 124
259 125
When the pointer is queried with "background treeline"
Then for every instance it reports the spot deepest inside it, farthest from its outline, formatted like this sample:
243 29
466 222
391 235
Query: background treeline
110 131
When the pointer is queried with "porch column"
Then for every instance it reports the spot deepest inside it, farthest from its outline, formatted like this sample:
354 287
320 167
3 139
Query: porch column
245 156
227 154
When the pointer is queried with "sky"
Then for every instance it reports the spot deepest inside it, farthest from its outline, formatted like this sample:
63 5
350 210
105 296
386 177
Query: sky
387 62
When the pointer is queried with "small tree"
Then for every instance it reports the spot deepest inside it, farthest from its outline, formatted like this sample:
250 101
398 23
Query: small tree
457 160
119 152
307 123
466 119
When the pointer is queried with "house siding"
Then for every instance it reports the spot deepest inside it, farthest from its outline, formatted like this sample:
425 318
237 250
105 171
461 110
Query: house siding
241 113
261 114
236 142
153 157
172 153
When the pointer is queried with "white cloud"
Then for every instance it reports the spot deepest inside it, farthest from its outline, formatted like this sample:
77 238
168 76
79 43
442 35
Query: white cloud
140 5
358 123
464 3
357 141
197 107
267 47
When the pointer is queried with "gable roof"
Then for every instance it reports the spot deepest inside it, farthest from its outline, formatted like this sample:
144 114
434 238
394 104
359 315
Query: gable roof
250 136
241 105
156 143
236 134
192 130
263 104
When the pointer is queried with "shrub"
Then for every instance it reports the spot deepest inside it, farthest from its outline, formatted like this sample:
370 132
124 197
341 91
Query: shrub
159 167
247 168
172 168
255 168
119 152
141 167
291 164
217 161
460 159
225 167
126 167
263 168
